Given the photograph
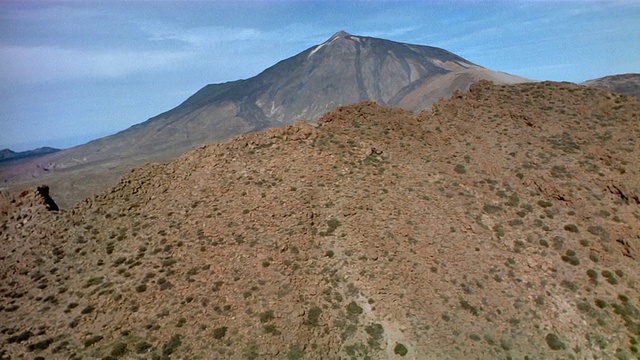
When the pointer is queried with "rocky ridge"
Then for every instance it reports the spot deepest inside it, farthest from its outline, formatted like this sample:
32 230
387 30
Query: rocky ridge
343 70
627 84
502 223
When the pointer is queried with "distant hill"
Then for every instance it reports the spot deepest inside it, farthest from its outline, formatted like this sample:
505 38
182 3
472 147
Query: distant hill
500 224
628 84
343 70
7 154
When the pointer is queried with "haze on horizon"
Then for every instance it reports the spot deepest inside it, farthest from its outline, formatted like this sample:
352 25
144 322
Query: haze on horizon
75 71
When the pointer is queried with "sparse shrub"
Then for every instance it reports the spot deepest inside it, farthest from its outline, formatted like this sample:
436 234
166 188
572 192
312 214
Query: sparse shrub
353 309
110 247
172 345
460 169
92 340
295 352
142 347
554 342
514 201
544 203
74 323
611 279
40 345
376 332
94 281
505 345
271 329
23 336
169 262
329 253
558 242
491 209
571 258
518 246
569 285
118 350
164 284
601 303
600 232
88 309
472 309
181 322
571 228
266 316
220 332
119 261
515 222
332 225
313 316
499 230
400 349
141 288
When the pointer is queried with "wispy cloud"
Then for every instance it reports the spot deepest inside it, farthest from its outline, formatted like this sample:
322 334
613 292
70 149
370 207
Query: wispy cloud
42 63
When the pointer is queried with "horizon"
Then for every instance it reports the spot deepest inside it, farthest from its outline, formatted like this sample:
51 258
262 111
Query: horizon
95 69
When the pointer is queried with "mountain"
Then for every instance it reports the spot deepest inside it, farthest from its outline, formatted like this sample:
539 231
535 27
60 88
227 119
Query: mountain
501 223
628 84
8 154
343 70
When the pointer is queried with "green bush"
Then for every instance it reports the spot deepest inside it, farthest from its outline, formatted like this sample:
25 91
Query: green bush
554 342
571 228
118 350
491 209
142 347
313 316
266 316
353 309
40 345
220 332
460 169
172 345
92 340
23 336
400 349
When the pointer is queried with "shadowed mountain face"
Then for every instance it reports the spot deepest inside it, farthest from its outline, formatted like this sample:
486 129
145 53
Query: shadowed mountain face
628 84
343 70
501 223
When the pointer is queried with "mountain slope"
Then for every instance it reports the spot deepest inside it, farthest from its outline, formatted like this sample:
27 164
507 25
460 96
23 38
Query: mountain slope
628 84
9 155
343 70
502 223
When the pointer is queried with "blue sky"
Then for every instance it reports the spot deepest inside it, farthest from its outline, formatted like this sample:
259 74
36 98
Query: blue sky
72 71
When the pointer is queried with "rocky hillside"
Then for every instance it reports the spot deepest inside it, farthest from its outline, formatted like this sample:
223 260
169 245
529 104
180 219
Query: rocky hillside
628 84
503 223
343 70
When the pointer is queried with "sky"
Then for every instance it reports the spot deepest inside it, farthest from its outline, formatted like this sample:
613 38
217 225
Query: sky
73 71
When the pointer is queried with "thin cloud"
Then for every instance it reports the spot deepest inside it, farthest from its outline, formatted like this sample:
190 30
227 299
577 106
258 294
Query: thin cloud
43 63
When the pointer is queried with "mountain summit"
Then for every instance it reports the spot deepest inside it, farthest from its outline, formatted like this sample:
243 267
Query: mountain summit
343 70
